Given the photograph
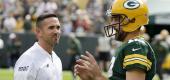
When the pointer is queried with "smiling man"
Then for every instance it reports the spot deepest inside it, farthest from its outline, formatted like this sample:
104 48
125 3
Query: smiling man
40 62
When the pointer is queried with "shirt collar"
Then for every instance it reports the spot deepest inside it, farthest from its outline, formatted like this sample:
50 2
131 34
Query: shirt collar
42 51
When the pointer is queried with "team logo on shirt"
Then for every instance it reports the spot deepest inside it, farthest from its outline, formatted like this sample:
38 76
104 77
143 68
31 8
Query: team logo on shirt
135 49
23 68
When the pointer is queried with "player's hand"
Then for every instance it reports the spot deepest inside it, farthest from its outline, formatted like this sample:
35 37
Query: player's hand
87 68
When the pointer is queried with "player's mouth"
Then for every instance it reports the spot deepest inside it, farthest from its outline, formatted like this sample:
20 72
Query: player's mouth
56 37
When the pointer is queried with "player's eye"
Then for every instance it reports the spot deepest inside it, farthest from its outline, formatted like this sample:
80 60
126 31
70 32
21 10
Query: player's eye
51 27
58 27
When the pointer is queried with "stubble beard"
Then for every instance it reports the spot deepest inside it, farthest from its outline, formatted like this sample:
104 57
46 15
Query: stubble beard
120 36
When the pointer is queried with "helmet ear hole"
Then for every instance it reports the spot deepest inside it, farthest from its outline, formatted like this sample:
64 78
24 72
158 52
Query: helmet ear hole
132 20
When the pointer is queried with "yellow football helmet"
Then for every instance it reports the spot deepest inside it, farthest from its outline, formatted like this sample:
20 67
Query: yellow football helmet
132 14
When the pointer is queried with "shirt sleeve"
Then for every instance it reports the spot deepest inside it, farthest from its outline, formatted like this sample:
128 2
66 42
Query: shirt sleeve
26 71
136 56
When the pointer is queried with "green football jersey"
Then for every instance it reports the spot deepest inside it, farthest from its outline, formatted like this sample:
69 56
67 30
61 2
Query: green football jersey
134 54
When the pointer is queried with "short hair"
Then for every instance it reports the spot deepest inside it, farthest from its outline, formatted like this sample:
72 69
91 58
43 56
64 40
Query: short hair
44 16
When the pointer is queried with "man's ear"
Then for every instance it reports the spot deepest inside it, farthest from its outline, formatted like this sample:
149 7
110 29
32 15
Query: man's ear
37 31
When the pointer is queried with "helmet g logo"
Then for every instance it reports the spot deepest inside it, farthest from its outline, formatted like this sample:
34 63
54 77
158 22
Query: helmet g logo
131 4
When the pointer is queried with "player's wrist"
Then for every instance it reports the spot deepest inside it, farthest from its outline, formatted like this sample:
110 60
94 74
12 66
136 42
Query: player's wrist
100 78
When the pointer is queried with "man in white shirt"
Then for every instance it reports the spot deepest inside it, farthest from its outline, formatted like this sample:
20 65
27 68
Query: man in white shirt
40 62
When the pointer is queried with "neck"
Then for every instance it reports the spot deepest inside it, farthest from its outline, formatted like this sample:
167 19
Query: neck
132 35
46 46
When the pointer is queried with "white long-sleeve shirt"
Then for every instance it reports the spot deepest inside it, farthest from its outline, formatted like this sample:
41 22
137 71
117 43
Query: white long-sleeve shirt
37 64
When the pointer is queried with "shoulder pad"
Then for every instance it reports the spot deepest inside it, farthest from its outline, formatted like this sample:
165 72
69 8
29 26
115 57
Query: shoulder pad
136 40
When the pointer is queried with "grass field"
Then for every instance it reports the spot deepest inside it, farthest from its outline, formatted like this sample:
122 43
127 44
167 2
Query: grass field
7 74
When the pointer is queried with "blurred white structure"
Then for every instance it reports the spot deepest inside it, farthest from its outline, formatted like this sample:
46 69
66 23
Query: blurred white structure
160 9
1 44
158 6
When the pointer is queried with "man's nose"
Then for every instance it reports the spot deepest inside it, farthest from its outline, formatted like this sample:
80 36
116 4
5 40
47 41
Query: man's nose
57 31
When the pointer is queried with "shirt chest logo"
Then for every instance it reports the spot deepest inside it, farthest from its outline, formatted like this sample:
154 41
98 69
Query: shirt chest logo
135 49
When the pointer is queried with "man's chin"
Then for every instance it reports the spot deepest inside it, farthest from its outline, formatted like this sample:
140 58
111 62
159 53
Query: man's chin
56 42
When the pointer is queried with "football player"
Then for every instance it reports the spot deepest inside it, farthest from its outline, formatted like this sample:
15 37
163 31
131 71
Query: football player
135 58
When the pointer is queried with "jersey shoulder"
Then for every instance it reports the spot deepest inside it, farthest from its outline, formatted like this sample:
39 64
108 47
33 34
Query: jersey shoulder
136 42
136 55
136 46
